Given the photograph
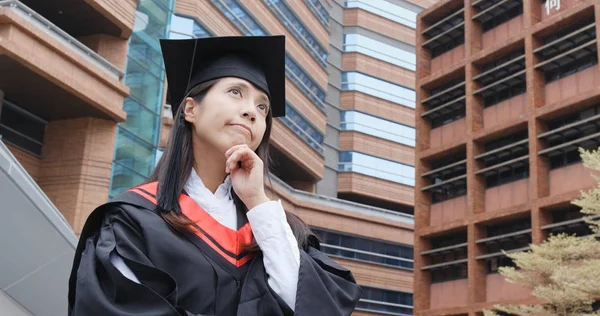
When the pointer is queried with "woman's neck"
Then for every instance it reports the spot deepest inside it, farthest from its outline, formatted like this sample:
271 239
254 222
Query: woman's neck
210 167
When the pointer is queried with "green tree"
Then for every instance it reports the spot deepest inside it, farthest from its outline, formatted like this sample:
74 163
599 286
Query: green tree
563 272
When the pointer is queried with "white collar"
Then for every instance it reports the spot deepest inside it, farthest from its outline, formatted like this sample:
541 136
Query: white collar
195 186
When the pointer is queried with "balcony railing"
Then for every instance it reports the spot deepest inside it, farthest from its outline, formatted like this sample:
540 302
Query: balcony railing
57 33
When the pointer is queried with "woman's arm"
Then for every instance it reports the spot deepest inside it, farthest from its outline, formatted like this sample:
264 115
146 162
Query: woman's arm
281 256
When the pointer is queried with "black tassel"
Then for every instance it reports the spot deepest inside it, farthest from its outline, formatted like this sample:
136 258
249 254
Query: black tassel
168 190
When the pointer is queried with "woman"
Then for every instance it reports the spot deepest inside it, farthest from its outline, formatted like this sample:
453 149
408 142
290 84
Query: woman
201 236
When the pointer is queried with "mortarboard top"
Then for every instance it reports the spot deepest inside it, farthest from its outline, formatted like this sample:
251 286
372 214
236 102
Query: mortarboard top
257 59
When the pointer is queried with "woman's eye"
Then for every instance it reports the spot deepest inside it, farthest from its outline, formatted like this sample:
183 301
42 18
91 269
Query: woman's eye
236 91
263 107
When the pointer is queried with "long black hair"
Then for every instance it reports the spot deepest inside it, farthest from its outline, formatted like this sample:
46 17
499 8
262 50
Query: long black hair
176 163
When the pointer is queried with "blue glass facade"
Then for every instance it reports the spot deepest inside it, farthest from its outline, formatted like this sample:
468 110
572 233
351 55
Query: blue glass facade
376 49
301 32
365 249
137 137
352 80
387 10
386 301
303 128
376 167
378 127
185 28
317 8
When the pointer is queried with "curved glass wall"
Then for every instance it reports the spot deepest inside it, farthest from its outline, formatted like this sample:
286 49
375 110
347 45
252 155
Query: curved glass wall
137 137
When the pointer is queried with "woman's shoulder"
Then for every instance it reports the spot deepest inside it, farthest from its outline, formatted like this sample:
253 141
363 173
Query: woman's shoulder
128 206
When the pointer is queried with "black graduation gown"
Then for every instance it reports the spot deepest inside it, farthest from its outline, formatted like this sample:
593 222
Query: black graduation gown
201 273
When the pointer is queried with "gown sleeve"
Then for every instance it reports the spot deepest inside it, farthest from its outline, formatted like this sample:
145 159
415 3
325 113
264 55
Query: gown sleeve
97 287
324 286
281 256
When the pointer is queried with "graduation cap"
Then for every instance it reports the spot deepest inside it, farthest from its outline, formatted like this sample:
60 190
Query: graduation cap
257 59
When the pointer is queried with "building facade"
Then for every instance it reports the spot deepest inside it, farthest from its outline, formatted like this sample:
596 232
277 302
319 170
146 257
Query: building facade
506 94
344 153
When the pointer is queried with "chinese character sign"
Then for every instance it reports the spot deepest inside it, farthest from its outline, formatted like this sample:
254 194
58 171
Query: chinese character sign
552 5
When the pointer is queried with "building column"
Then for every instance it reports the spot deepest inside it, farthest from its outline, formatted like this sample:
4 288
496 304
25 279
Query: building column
76 166
329 184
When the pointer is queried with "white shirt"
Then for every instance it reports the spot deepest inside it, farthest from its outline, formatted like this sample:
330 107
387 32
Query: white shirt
270 228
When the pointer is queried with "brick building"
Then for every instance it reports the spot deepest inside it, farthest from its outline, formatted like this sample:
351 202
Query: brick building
506 93
84 113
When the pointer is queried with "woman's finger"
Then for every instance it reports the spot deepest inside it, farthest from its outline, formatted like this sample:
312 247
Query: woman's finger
241 154
233 148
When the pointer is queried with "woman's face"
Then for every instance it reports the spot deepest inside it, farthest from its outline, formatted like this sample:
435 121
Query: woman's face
233 112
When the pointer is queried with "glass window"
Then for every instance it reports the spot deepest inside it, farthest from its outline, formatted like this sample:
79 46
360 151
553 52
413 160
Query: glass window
378 88
387 10
293 71
149 55
137 137
296 27
239 17
303 128
571 67
502 18
151 20
124 178
319 11
395 302
142 122
377 167
21 128
368 250
304 82
186 28
376 49
144 84
133 153
372 125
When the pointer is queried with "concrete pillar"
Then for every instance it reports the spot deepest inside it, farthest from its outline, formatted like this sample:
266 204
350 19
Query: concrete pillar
76 166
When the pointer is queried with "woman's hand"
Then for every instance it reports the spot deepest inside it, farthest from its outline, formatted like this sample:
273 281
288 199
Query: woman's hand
246 170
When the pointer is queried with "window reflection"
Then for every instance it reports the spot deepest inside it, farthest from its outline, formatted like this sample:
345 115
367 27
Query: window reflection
395 302
141 121
386 10
319 11
378 88
296 27
364 123
365 249
376 49
377 167
186 28
305 130
134 153
137 138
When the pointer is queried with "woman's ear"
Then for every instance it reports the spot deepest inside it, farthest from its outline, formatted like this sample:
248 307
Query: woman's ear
189 109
